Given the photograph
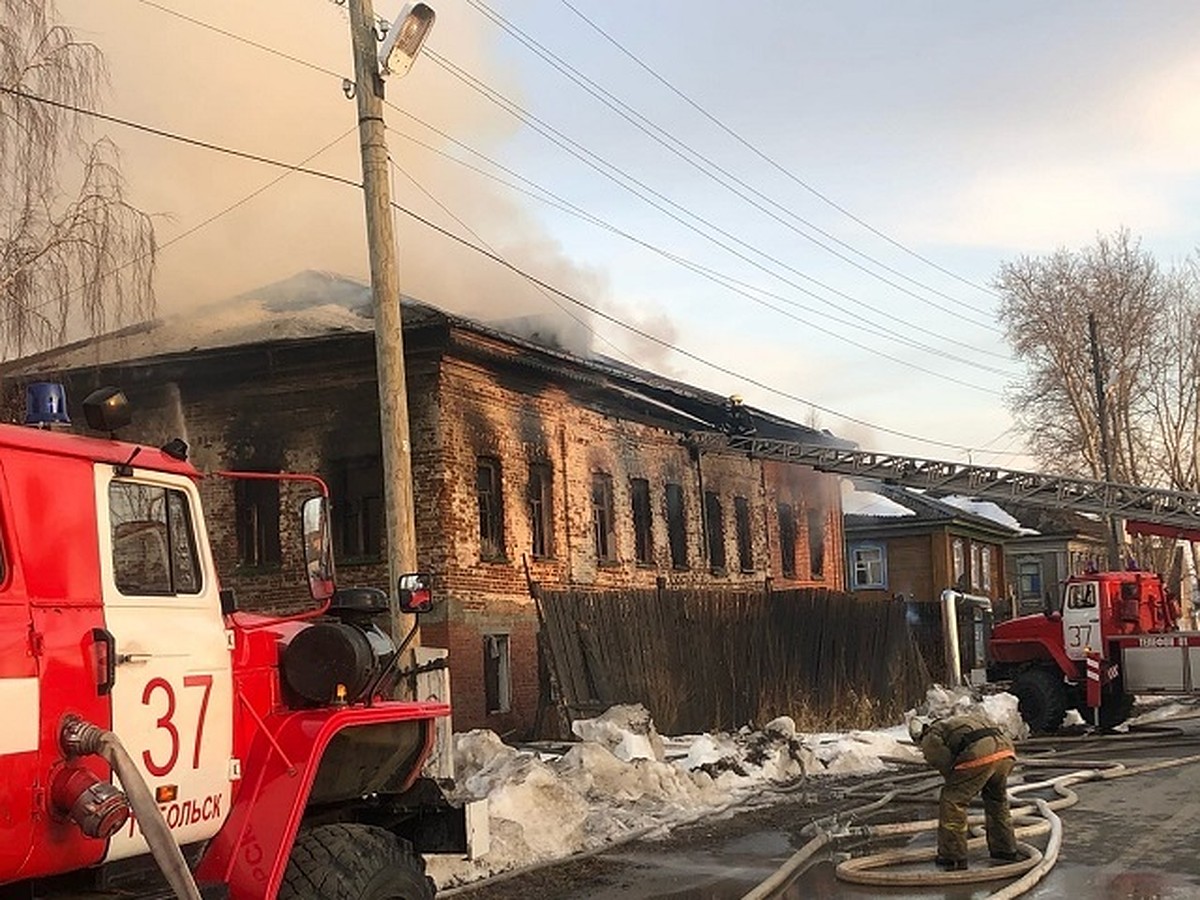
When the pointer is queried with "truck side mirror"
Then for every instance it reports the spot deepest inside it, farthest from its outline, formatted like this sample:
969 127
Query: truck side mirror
414 594
318 547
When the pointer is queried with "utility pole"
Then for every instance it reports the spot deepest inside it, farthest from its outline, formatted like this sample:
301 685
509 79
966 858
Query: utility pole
389 335
1114 553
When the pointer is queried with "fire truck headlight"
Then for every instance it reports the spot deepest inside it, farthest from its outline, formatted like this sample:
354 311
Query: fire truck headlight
97 807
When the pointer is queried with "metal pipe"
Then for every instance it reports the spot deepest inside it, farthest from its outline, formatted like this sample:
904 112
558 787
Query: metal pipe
950 600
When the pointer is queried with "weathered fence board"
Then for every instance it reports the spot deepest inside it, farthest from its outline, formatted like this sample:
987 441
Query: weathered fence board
704 660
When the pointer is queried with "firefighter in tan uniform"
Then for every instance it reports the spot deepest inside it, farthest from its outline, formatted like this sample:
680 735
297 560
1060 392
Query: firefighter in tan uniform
974 757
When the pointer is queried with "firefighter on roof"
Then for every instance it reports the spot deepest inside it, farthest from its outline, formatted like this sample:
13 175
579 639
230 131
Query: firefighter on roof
973 756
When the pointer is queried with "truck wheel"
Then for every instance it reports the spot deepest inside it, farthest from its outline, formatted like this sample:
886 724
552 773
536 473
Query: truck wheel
354 862
1041 699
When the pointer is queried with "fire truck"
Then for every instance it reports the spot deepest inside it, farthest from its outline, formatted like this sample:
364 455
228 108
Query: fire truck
159 739
1110 636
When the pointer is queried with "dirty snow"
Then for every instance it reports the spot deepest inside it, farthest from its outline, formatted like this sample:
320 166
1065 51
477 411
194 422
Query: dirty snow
622 780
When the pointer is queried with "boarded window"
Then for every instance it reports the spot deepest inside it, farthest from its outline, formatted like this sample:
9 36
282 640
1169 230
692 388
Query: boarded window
491 508
787 540
714 518
359 532
153 543
256 511
741 515
816 543
497 686
541 510
869 566
643 542
602 517
676 526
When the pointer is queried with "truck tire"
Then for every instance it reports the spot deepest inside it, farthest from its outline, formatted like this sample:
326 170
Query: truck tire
354 862
1041 698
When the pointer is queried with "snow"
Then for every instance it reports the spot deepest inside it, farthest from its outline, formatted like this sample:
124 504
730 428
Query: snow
866 503
623 780
986 509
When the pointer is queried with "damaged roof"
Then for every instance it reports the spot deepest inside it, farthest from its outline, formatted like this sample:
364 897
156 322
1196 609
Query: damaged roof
318 305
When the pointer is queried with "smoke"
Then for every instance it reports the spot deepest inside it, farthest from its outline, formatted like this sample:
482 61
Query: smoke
173 75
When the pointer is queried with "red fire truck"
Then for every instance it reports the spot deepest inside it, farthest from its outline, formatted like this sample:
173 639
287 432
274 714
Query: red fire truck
150 721
1115 635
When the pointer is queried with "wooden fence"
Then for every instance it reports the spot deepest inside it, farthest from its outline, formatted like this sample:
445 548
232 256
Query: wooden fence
701 660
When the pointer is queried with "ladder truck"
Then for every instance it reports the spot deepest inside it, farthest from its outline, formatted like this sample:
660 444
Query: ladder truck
1114 635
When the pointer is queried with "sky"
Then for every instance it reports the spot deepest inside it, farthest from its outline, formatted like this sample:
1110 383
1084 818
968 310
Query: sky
801 203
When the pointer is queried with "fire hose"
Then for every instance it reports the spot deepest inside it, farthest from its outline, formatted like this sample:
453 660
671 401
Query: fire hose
82 738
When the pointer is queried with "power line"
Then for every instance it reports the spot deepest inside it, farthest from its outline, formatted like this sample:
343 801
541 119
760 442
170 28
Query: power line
238 154
717 172
660 202
769 160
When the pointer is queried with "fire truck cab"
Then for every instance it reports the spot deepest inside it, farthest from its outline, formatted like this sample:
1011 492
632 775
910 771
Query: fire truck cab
269 745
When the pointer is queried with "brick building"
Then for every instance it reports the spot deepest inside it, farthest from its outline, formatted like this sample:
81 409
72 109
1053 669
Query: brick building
530 463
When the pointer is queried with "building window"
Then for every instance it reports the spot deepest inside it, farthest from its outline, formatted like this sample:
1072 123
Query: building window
256 513
541 506
153 547
869 566
358 524
985 573
643 542
976 565
1029 579
497 685
741 522
676 526
602 517
787 540
816 543
491 508
715 518
959 569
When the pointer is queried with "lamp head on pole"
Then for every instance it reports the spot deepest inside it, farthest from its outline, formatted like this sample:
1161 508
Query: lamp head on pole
404 39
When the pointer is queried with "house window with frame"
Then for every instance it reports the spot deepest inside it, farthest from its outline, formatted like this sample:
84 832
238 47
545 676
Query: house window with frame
676 526
741 524
602 517
868 566
256 514
356 486
488 491
715 519
958 555
541 516
976 565
787 539
1029 580
497 683
643 539
985 573
815 519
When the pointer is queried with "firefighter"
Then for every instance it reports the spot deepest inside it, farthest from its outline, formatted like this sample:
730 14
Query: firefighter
974 757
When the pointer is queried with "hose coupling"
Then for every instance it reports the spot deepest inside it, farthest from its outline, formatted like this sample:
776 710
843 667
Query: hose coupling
78 737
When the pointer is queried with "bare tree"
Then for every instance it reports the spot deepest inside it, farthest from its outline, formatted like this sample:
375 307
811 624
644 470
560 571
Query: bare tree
73 252
1045 306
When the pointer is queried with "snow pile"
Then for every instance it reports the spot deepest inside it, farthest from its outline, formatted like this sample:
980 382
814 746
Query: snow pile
999 709
623 780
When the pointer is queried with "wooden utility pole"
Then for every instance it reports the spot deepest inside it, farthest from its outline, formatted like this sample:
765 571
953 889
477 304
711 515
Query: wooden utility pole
385 291
1114 542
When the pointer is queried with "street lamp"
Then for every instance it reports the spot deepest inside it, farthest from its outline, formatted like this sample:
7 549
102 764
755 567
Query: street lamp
400 48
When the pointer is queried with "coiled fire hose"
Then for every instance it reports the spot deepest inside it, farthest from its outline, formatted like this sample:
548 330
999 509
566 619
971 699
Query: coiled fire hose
83 738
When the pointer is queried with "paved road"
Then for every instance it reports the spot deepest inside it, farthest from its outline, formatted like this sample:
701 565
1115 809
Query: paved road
1133 838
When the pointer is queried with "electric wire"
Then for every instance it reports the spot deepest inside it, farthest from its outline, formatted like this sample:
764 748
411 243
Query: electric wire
661 202
722 175
859 324
783 170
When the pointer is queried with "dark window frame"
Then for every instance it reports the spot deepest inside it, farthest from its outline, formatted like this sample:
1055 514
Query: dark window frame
604 538
358 517
643 522
497 673
256 519
714 520
540 499
816 523
787 539
489 495
676 512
